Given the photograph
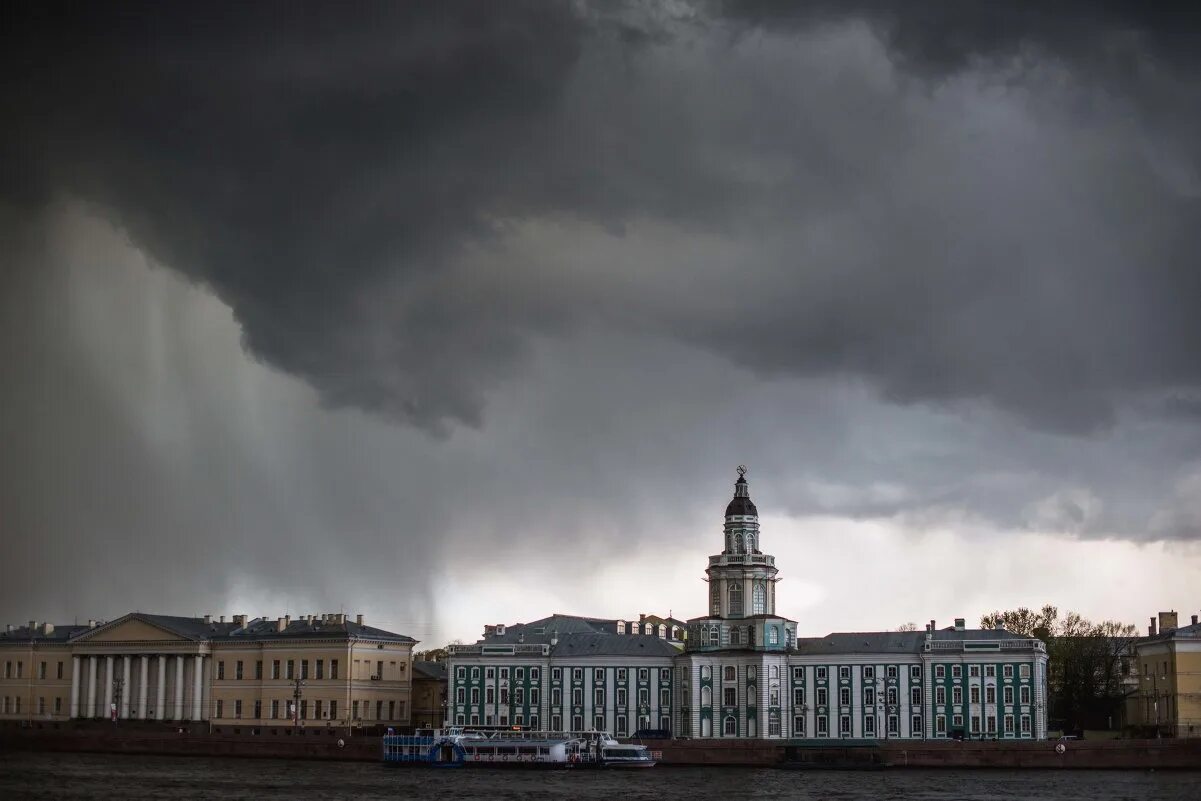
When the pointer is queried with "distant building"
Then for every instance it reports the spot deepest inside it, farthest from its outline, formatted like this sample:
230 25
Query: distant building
665 628
166 668
1165 678
745 673
429 694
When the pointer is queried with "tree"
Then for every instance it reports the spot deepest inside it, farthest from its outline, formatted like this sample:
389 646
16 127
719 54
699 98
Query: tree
1084 662
911 626
435 654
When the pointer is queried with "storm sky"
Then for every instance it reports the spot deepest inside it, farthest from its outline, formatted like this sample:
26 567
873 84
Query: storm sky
461 313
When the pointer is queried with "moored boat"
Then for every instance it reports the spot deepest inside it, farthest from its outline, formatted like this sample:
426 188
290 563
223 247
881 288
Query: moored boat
457 747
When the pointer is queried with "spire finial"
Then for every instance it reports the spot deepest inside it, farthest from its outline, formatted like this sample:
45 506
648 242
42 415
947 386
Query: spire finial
741 471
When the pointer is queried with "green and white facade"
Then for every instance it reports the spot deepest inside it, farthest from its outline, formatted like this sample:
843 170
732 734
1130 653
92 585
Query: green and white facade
743 672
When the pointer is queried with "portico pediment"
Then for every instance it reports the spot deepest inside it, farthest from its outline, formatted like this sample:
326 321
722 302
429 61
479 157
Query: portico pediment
132 628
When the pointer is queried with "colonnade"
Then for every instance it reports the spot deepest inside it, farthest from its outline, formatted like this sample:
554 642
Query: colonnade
86 689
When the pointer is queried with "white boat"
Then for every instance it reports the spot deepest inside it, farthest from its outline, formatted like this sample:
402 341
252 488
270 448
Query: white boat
458 747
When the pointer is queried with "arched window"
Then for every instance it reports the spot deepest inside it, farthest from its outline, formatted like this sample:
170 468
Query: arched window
750 543
715 598
706 727
706 696
715 635
773 637
662 631
735 600
731 727
731 673
758 600
735 636
738 542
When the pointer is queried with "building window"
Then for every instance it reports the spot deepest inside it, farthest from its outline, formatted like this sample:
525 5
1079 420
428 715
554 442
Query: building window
319 669
940 671
823 726
317 709
894 724
354 710
622 726
773 725
974 694
990 724
990 694
475 695
220 709
333 673
956 695
577 722
1007 671
598 675
940 724
915 672
956 671
291 670
869 696
379 710
664 674
775 696
1024 671
598 698
556 696
891 671
577 674
730 727
577 697
844 696
844 672
643 674
915 696
798 674
915 726
1008 719
869 672
957 721
940 695
535 674
973 671
461 695
990 671
773 635
1024 693
1007 695
238 670
461 673
519 674
664 698
258 671
556 674
731 673
715 601
598 722
822 696
621 696
621 674
504 674
736 600
41 670
975 724
798 697
758 600
519 696
729 696
58 704
274 709
238 708
892 696
798 726
869 726
220 673
844 725
333 710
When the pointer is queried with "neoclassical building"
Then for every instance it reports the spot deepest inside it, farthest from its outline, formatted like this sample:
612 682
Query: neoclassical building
237 672
744 672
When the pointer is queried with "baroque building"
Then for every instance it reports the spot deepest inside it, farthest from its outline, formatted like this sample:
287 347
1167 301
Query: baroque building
744 672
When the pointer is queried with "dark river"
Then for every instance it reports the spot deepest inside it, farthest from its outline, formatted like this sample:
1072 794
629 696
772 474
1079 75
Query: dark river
91 776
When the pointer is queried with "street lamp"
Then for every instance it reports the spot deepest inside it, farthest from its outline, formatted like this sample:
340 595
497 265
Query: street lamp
1155 698
297 692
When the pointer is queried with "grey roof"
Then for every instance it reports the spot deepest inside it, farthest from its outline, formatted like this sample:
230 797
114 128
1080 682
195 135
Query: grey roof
613 645
894 642
193 628
264 628
1189 632
430 670
542 629
24 634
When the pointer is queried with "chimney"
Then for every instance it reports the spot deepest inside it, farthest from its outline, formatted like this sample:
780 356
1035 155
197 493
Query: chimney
222 619
91 623
33 624
208 618
959 624
489 630
641 618
1167 621
521 637
280 625
933 627
47 628
1151 628
358 619
554 638
1194 620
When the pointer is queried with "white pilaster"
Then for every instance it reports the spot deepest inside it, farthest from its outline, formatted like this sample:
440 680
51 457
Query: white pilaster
91 710
126 687
177 712
108 686
197 687
75 682
143 678
160 708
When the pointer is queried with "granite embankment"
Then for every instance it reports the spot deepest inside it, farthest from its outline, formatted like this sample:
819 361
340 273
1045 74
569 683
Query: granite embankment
324 744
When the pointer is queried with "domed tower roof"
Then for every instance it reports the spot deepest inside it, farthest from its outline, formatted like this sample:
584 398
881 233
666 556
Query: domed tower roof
741 503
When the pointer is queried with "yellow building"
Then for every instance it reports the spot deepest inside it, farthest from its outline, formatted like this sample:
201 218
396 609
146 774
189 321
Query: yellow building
1167 664
315 670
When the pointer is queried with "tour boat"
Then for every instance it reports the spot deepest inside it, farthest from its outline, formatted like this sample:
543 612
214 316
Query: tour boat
458 747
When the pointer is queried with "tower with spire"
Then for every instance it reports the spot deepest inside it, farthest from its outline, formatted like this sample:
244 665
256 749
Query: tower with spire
742 587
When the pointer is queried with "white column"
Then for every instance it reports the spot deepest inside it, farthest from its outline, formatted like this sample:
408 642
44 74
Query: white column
75 681
108 686
160 707
126 687
91 710
197 688
143 677
177 712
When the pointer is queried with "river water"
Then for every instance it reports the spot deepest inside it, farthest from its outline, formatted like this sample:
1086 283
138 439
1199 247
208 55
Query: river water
93 776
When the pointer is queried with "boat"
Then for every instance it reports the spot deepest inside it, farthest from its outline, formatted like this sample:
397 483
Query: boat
459 747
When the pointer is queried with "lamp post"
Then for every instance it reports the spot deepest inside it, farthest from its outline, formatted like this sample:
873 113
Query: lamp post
297 692
1155 698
